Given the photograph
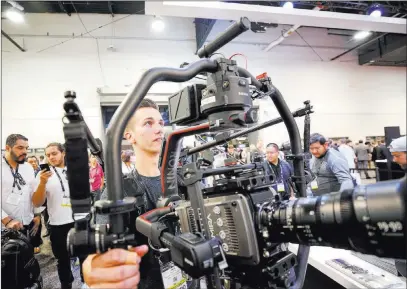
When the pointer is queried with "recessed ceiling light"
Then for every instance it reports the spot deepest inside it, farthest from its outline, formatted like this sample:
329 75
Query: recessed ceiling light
376 13
158 24
15 15
288 5
361 35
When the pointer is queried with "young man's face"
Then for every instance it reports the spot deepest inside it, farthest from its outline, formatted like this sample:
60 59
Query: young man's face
147 130
33 163
55 157
272 154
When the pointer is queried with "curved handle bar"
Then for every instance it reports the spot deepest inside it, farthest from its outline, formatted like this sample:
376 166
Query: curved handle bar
123 114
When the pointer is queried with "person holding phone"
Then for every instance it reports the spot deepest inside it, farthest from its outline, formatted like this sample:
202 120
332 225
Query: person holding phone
53 185
17 186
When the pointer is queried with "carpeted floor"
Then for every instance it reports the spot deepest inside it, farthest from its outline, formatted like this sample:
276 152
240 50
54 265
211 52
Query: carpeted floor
48 266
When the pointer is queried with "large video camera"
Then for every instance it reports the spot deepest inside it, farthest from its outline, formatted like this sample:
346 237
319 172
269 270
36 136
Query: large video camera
239 224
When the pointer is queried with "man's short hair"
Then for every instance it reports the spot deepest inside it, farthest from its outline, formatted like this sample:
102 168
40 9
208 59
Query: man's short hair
360 141
42 157
348 141
33 157
146 102
59 146
316 137
13 138
382 141
274 145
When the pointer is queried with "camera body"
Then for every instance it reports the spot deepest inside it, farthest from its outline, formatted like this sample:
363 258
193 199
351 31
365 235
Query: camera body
225 101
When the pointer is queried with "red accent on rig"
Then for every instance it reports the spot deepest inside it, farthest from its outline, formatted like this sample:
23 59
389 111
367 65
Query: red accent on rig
261 76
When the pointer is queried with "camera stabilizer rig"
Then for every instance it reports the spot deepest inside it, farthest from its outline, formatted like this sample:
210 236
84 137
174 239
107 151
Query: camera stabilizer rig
239 224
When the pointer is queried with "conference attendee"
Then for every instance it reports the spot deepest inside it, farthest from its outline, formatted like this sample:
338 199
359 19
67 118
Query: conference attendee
96 178
145 131
33 161
384 152
362 155
42 160
35 164
17 185
398 150
127 165
281 170
54 187
330 168
347 151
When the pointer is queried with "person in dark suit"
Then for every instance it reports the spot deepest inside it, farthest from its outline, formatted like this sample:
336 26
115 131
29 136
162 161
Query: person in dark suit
282 171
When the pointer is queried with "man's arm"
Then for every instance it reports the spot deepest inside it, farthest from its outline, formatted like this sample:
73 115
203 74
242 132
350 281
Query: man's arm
39 195
340 169
9 222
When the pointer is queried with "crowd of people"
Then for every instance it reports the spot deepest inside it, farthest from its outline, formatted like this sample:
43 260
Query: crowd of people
26 188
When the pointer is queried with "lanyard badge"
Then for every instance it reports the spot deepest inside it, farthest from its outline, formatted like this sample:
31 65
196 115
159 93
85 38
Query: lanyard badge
18 179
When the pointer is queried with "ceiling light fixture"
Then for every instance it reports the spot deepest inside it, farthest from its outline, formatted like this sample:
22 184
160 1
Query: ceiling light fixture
376 13
375 10
15 15
288 5
361 35
158 24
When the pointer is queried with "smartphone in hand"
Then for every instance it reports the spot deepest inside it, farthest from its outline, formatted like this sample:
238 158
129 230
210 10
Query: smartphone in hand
45 167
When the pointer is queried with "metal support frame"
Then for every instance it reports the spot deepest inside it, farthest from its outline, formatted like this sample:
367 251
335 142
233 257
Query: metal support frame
359 46
109 4
61 5
12 41
202 29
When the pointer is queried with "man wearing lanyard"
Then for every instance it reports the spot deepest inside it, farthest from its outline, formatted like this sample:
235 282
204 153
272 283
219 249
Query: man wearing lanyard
329 166
54 187
282 171
17 186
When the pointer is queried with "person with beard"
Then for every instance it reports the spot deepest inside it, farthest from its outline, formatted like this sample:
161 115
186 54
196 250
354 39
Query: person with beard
53 186
330 168
18 184
145 131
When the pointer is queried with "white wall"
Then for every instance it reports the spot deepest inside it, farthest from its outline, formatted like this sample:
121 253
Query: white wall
349 100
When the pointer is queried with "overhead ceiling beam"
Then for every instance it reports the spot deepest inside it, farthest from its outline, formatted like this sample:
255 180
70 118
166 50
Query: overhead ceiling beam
202 29
12 41
279 15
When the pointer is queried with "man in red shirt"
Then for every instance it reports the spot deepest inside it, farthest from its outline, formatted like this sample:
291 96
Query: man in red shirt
96 178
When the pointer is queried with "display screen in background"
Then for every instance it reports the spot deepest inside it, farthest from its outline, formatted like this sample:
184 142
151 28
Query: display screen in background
108 112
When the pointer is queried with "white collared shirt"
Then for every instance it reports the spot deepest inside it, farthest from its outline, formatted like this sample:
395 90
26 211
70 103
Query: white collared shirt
22 211
59 212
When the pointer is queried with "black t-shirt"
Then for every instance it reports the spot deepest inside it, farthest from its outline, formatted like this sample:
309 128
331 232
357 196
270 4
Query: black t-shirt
150 190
